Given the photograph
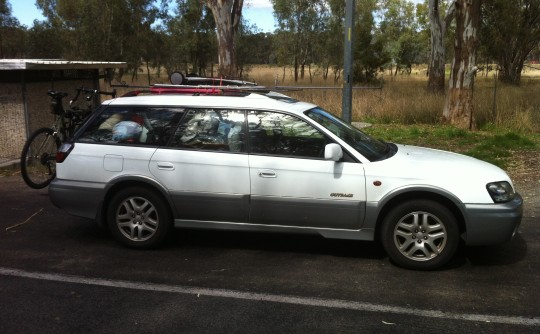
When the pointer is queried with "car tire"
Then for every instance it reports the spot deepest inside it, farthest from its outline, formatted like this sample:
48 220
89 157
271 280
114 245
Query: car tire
420 234
139 218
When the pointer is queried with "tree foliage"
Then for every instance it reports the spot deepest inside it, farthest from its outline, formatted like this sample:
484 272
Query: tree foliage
401 34
190 38
370 53
12 34
180 35
510 32
300 24
113 30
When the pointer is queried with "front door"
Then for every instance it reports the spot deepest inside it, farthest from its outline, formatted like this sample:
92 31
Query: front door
292 184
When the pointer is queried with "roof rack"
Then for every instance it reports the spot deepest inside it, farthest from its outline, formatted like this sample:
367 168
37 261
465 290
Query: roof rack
208 89
203 86
178 78
199 90
197 86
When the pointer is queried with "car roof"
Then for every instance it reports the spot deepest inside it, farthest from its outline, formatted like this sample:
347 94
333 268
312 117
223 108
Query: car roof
269 101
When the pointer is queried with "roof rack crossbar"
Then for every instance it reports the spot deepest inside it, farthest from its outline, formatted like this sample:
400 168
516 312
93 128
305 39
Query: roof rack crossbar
206 89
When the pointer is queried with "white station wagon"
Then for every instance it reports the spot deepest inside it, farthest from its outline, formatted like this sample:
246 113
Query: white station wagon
261 161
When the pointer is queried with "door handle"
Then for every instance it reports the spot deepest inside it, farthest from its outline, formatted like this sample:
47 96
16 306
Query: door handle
267 173
165 166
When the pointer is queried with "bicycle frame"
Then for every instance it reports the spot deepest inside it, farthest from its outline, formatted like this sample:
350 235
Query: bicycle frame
67 121
39 153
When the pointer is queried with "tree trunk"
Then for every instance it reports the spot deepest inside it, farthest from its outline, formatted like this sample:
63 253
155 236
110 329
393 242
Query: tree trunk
511 66
458 109
296 69
227 14
437 60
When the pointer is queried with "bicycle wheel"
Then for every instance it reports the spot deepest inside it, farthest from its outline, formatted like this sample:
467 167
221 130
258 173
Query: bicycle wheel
38 158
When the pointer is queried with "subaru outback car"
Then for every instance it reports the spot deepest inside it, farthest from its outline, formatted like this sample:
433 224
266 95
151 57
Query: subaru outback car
262 161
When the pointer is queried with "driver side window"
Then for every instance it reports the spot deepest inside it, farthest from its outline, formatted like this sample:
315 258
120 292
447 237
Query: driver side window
281 134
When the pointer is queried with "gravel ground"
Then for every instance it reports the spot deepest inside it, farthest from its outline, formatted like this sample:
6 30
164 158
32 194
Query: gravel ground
525 173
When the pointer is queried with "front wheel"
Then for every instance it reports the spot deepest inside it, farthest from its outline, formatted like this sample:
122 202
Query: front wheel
420 234
138 218
38 158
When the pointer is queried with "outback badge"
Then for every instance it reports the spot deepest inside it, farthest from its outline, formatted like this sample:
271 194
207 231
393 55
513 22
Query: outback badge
341 195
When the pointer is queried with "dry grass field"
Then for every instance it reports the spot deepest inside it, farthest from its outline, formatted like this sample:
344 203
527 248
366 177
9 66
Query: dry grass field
403 99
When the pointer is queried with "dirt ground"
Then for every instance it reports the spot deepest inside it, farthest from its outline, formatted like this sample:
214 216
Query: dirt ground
525 173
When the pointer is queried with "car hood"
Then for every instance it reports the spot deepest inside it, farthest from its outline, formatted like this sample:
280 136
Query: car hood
465 177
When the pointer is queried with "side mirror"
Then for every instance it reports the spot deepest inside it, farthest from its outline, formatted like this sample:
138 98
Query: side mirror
333 152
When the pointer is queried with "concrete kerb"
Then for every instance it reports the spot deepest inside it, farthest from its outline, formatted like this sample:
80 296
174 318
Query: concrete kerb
361 125
9 163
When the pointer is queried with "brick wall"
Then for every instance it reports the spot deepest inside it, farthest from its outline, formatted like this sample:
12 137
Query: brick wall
13 126
11 121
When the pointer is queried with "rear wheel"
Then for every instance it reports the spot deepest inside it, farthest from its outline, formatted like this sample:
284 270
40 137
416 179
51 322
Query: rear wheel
38 158
138 218
420 234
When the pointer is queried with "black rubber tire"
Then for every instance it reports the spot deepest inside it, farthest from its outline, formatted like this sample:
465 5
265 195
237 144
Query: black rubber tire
138 217
428 247
38 158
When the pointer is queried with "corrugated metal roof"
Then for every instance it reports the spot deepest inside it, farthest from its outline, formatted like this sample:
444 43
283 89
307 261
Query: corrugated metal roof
56 64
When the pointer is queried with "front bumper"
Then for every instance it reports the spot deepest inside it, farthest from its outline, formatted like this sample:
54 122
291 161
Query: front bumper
489 224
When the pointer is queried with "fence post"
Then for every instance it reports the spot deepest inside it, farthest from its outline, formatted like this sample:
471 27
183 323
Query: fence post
494 107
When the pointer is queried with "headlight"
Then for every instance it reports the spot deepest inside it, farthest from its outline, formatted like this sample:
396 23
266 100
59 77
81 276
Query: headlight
501 192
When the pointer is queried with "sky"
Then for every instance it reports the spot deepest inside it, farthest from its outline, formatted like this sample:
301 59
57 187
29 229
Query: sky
258 12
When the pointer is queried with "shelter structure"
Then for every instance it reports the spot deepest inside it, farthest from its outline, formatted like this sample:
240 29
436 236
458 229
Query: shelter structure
24 104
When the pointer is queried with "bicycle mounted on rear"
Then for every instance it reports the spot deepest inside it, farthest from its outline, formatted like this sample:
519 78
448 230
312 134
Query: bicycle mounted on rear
38 157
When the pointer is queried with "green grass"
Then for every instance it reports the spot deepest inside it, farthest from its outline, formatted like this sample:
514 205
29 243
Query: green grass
494 146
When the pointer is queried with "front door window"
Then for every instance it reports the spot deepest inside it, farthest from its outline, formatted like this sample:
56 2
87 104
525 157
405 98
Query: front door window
284 135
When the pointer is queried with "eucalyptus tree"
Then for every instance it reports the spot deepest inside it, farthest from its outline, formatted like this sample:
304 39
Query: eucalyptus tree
511 31
12 34
190 35
112 30
329 49
227 16
401 33
440 20
300 22
254 47
370 52
46 41
458 108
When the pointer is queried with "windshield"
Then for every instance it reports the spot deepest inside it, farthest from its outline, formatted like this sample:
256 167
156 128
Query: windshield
369 147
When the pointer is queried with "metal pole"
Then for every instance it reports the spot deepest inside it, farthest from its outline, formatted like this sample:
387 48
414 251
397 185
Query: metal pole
347 62
494 107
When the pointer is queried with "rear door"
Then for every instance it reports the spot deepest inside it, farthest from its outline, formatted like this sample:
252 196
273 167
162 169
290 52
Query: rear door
205 167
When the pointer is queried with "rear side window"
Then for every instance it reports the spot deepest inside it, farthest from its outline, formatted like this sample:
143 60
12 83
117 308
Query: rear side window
152 126
211 130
